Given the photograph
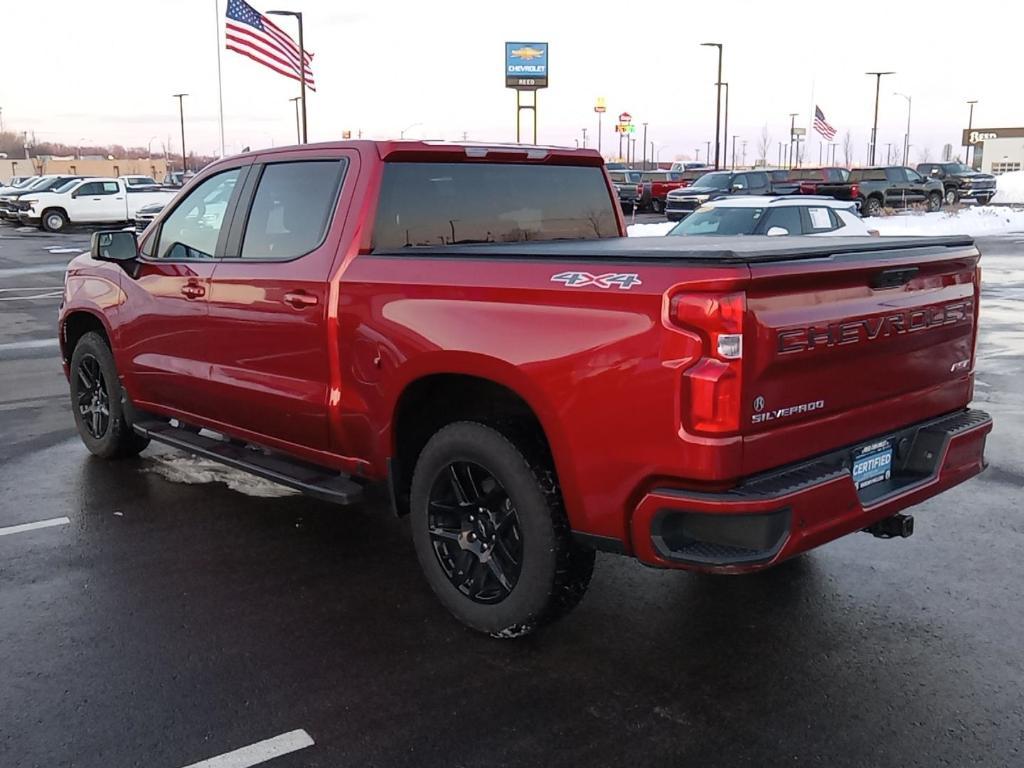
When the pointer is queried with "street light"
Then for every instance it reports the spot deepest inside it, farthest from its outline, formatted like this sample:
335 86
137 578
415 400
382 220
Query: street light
401 134
718 102
874 129
181 114
970 124
644 145
725 126
906 136
302 66
792 135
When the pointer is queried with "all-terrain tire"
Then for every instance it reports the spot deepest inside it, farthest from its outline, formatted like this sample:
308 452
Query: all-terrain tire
553 571
96 401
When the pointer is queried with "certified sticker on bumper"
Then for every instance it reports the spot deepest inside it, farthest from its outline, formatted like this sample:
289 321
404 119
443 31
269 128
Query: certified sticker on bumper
872 464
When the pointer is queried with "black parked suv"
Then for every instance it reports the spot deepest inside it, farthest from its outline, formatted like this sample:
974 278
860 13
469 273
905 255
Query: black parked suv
960 182
680 203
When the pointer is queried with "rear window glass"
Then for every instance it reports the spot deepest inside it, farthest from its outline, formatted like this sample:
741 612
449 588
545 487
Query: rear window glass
423 204
806 174
867 174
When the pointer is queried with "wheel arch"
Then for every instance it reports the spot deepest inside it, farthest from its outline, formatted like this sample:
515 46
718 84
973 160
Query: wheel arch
50 209
429 401
75 325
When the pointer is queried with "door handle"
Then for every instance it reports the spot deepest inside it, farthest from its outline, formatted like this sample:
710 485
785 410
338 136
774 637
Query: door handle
193 291
300 299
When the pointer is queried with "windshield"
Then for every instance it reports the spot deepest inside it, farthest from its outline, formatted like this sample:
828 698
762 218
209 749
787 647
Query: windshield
424 204
711 220
714 180
25 182
958 168
139 181
65 186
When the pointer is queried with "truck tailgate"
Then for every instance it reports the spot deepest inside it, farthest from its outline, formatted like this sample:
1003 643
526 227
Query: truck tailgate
850 346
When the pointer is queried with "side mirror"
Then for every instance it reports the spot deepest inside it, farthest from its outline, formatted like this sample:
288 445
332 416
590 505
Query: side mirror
777 231
737 187
117 245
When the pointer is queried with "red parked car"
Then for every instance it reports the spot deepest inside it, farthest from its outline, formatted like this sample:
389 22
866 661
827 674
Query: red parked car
467 325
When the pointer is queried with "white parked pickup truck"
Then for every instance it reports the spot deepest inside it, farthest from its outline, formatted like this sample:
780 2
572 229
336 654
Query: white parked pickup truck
87 201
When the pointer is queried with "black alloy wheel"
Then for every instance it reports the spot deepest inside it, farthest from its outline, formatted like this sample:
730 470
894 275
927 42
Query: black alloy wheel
935 201
951 196
92 397
475 532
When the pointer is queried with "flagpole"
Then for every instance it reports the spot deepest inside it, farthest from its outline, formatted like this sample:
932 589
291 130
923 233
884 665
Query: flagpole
220 82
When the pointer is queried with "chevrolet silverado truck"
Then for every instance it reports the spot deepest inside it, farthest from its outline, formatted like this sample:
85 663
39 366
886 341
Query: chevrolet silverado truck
809 180
86 201
467 327
961 182
9 198
715 185
886 187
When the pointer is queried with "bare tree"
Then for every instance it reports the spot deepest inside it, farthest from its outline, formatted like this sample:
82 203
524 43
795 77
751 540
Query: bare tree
763 145
847 149
925 154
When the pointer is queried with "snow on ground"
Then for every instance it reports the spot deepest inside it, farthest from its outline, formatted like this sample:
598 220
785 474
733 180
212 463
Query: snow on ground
1010 188
193 470
650 230
976 220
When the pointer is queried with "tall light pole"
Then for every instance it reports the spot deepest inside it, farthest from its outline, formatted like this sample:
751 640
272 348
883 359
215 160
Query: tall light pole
584 138
181 114
792 135
302 66
298 135
401 133
696 154
718 100
906 136
645 146
733 165
874 129
725 126
707 153
970 124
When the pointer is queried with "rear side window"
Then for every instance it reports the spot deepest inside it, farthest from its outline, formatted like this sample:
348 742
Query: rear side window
292 208
787 217
895 174
424 204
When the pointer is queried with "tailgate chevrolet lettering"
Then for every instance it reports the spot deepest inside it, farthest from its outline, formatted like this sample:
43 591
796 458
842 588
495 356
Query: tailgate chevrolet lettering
808 338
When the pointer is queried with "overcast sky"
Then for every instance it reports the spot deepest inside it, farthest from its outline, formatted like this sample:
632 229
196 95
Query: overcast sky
104 71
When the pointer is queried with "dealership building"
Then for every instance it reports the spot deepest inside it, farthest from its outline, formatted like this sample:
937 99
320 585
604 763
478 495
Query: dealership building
995 150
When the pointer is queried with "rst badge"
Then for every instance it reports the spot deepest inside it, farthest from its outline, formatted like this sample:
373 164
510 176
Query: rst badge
623 281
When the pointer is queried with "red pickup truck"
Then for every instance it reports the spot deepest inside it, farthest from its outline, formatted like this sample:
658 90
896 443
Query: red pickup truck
467 325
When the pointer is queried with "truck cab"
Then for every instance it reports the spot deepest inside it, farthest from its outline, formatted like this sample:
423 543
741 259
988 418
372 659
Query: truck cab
86 201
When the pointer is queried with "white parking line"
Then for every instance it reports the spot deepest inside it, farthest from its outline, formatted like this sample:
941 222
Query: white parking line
40 269
11 529
30 344
260 752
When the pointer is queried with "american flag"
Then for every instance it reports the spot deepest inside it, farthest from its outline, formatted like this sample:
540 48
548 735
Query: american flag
250 33
821 125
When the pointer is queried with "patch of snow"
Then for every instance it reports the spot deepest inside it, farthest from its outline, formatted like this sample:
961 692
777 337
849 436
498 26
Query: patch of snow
1010 188
650 230
193 470
977 220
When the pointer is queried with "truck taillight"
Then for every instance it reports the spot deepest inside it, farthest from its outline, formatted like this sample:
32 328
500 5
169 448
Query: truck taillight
854 191
639 190
711 388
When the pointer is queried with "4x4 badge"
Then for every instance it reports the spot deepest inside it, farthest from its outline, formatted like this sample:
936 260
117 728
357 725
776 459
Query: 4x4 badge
624 281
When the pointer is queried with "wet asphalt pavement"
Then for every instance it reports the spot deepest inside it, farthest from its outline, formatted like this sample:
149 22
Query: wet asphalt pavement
169 621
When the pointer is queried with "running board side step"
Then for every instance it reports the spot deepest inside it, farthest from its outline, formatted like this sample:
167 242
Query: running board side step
319 482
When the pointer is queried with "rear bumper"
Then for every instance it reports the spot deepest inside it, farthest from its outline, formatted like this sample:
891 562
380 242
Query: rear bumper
774 516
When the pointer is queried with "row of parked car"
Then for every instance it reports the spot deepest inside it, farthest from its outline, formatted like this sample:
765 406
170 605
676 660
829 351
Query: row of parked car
679 193
53 202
